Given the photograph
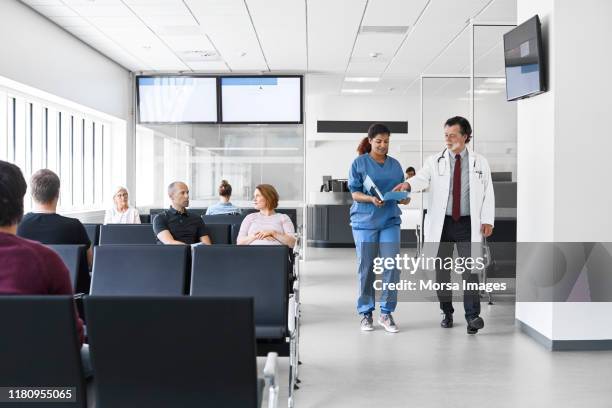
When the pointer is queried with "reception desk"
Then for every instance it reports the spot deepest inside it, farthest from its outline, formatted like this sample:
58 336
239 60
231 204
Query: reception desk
329 220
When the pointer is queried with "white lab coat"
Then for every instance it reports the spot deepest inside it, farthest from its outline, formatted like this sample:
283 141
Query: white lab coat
436 178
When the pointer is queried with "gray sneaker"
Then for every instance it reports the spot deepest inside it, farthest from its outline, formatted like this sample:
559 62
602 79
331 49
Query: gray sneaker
367 323
386 321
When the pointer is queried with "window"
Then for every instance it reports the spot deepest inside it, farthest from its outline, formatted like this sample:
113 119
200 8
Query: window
86 149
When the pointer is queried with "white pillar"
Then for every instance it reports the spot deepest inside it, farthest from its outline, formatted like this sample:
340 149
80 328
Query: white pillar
565 159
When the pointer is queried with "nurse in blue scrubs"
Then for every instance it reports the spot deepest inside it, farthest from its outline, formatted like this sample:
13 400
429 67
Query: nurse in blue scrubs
375 224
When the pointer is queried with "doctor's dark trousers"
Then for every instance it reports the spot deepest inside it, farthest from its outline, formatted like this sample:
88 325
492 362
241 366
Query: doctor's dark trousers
457 233
369 244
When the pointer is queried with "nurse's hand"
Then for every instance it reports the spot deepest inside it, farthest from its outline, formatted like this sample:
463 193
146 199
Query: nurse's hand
376 201
402 187
405 201
486 230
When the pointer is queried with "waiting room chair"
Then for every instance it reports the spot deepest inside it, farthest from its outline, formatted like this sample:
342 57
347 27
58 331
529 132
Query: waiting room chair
39 347
127 234
165 352
260 272
140 270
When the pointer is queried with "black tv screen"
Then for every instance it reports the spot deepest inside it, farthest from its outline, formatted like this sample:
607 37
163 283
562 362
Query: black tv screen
524 60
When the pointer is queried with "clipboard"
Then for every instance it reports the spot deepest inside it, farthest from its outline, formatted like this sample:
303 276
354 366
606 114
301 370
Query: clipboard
373 190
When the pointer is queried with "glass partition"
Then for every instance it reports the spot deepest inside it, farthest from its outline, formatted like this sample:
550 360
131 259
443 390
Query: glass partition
203 155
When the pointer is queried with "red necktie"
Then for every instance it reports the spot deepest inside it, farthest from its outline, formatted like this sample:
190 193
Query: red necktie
457 188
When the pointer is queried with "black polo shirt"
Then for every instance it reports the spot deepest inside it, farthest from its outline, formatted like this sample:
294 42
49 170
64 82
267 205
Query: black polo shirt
185 227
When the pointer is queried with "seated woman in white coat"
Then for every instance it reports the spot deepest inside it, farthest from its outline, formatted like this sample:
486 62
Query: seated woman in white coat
121 212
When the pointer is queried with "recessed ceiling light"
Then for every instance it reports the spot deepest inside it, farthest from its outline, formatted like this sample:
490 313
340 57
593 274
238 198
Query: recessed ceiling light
357 91
383 30
484 91
362 79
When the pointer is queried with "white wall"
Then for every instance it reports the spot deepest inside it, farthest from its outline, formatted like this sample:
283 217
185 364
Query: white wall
38 53
332 154
563 163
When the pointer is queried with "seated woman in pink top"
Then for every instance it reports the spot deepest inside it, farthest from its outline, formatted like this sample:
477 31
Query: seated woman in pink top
266 227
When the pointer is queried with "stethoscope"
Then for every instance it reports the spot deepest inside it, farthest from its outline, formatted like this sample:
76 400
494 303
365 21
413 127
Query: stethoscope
442 172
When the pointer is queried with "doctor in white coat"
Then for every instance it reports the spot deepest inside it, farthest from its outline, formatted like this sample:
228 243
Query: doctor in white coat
461 211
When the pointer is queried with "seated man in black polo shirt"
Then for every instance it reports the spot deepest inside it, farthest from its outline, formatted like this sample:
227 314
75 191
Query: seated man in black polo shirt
176 225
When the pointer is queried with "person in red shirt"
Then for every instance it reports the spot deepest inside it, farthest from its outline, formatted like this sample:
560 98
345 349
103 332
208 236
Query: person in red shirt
28 268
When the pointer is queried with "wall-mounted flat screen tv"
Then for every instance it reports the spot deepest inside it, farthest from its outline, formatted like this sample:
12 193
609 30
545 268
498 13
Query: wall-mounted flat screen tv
524 60
177 99
261 99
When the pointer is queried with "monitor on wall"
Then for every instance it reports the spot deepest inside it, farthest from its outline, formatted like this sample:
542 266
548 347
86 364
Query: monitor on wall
524 60
177 99
261 99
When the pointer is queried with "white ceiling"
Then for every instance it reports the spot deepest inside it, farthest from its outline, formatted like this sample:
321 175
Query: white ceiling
324 38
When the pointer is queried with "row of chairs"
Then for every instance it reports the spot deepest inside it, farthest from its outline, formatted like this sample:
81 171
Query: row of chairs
223 229
149 352
291 212
263 273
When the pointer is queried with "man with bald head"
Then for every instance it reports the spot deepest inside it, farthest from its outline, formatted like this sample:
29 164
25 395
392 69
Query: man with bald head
176 225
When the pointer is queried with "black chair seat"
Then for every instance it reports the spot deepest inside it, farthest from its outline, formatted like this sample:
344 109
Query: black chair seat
270 332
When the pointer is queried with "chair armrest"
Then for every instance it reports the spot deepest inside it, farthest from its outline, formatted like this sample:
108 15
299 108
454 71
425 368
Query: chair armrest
269 373
271 367
79 296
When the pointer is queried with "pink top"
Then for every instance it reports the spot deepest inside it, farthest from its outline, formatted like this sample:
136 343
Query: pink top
256 222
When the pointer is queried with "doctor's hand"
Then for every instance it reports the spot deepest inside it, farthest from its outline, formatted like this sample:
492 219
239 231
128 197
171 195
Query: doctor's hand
486 230
376 201
405 201
402 187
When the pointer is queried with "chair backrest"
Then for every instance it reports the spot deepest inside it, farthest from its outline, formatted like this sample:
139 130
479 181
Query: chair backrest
292 213
163 352
220 233
234 220
75 259
197 211
145 218
140 270
93 232
259 271
39 346
124 234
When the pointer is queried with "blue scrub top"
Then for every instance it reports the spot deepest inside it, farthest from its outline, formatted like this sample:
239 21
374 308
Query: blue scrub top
385 176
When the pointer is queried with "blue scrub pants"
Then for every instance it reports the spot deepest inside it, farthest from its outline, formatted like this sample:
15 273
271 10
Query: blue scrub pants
370 244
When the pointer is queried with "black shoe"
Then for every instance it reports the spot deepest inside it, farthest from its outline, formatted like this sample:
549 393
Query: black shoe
447 322
474 325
